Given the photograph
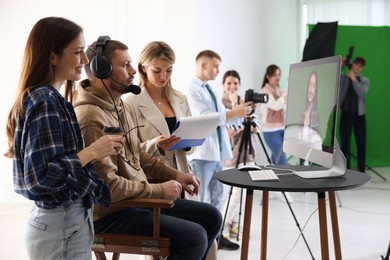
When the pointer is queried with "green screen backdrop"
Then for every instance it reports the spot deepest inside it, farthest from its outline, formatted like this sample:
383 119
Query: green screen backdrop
372 43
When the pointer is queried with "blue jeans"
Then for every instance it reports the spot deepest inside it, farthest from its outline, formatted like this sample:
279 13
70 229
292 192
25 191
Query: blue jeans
274 140
65 232
191 225
211 189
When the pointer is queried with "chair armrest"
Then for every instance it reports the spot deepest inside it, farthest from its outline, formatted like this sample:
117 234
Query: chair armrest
145 203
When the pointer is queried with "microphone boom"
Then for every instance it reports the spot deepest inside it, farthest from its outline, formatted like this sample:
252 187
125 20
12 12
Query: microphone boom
131 88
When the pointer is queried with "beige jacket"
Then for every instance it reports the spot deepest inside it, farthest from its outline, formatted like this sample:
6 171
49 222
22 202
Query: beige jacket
155 125
94 110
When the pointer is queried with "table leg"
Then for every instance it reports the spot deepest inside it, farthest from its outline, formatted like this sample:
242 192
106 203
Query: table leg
323 226
264 226
335 225
247 224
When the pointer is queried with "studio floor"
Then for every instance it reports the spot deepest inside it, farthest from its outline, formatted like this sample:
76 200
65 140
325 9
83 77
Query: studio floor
364 223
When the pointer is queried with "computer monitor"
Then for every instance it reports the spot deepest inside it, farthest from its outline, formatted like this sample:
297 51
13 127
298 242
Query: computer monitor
310 131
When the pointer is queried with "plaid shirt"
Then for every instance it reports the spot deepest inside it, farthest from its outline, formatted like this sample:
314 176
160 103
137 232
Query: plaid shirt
46 166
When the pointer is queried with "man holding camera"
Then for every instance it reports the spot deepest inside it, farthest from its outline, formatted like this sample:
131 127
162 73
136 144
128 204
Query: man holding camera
353 89
207 159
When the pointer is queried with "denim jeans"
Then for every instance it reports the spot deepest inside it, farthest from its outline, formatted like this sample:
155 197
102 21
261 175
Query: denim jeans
65 232
274 141
191 225
211 189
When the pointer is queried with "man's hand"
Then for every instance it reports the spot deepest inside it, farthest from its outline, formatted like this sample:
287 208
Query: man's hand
189 182
172 189
351 75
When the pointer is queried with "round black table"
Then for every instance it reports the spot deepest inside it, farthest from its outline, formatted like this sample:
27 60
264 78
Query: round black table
292 183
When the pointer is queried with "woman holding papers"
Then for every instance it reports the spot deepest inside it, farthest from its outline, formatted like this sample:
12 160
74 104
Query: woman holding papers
158 107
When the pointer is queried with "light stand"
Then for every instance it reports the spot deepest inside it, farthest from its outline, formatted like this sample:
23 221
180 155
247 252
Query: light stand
245 144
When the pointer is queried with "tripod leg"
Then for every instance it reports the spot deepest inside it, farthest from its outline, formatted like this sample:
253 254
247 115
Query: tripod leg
370 168
265 150
297 223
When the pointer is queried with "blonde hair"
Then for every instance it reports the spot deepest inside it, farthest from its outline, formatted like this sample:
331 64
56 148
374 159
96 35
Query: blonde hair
152 52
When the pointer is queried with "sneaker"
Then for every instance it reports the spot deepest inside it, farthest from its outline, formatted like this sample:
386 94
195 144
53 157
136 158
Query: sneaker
233 232
226 244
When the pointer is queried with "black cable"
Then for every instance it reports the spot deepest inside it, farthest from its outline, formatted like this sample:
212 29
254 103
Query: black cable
122 125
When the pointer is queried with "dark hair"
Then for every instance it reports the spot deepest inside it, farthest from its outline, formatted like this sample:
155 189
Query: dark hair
232 73
313 72
50 34
109 50
208 53
270 71
360 60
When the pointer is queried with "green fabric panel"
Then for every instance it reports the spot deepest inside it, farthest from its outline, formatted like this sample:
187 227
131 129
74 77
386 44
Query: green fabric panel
372 43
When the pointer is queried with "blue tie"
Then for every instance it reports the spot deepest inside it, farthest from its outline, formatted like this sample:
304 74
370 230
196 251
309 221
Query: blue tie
216 109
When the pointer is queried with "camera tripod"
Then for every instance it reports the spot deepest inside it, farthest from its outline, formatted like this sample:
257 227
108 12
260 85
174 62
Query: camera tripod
246 146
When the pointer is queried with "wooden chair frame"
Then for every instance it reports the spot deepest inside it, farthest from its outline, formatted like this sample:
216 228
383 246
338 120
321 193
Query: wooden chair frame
133 244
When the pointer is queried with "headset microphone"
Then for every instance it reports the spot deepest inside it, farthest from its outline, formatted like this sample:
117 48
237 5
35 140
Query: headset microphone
132 88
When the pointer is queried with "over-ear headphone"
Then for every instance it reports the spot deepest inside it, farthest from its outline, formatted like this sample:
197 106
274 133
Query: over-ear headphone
100 65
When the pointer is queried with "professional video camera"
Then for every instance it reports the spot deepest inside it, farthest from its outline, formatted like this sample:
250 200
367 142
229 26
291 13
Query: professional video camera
251 95
348 58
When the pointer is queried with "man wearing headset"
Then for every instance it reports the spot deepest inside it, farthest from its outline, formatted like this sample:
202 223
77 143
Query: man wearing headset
192 226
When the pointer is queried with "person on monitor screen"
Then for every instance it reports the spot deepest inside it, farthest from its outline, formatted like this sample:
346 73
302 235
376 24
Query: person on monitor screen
272 117
309 117
191 225
352 93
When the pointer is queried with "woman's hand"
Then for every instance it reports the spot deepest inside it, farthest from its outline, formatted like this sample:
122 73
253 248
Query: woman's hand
105 146
165 142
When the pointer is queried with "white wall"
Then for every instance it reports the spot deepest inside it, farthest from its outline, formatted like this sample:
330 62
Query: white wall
248 34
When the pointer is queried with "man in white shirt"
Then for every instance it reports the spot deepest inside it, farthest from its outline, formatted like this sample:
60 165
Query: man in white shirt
207 159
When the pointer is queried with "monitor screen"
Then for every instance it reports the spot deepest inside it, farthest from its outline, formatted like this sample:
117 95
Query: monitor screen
311 110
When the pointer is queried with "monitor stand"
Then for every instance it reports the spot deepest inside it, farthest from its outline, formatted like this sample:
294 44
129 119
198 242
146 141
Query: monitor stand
338 169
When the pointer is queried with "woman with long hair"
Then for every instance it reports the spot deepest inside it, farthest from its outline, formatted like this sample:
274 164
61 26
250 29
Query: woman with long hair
272 116
51 165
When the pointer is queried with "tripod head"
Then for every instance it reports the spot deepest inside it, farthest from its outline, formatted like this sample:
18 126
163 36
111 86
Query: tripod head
253 121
